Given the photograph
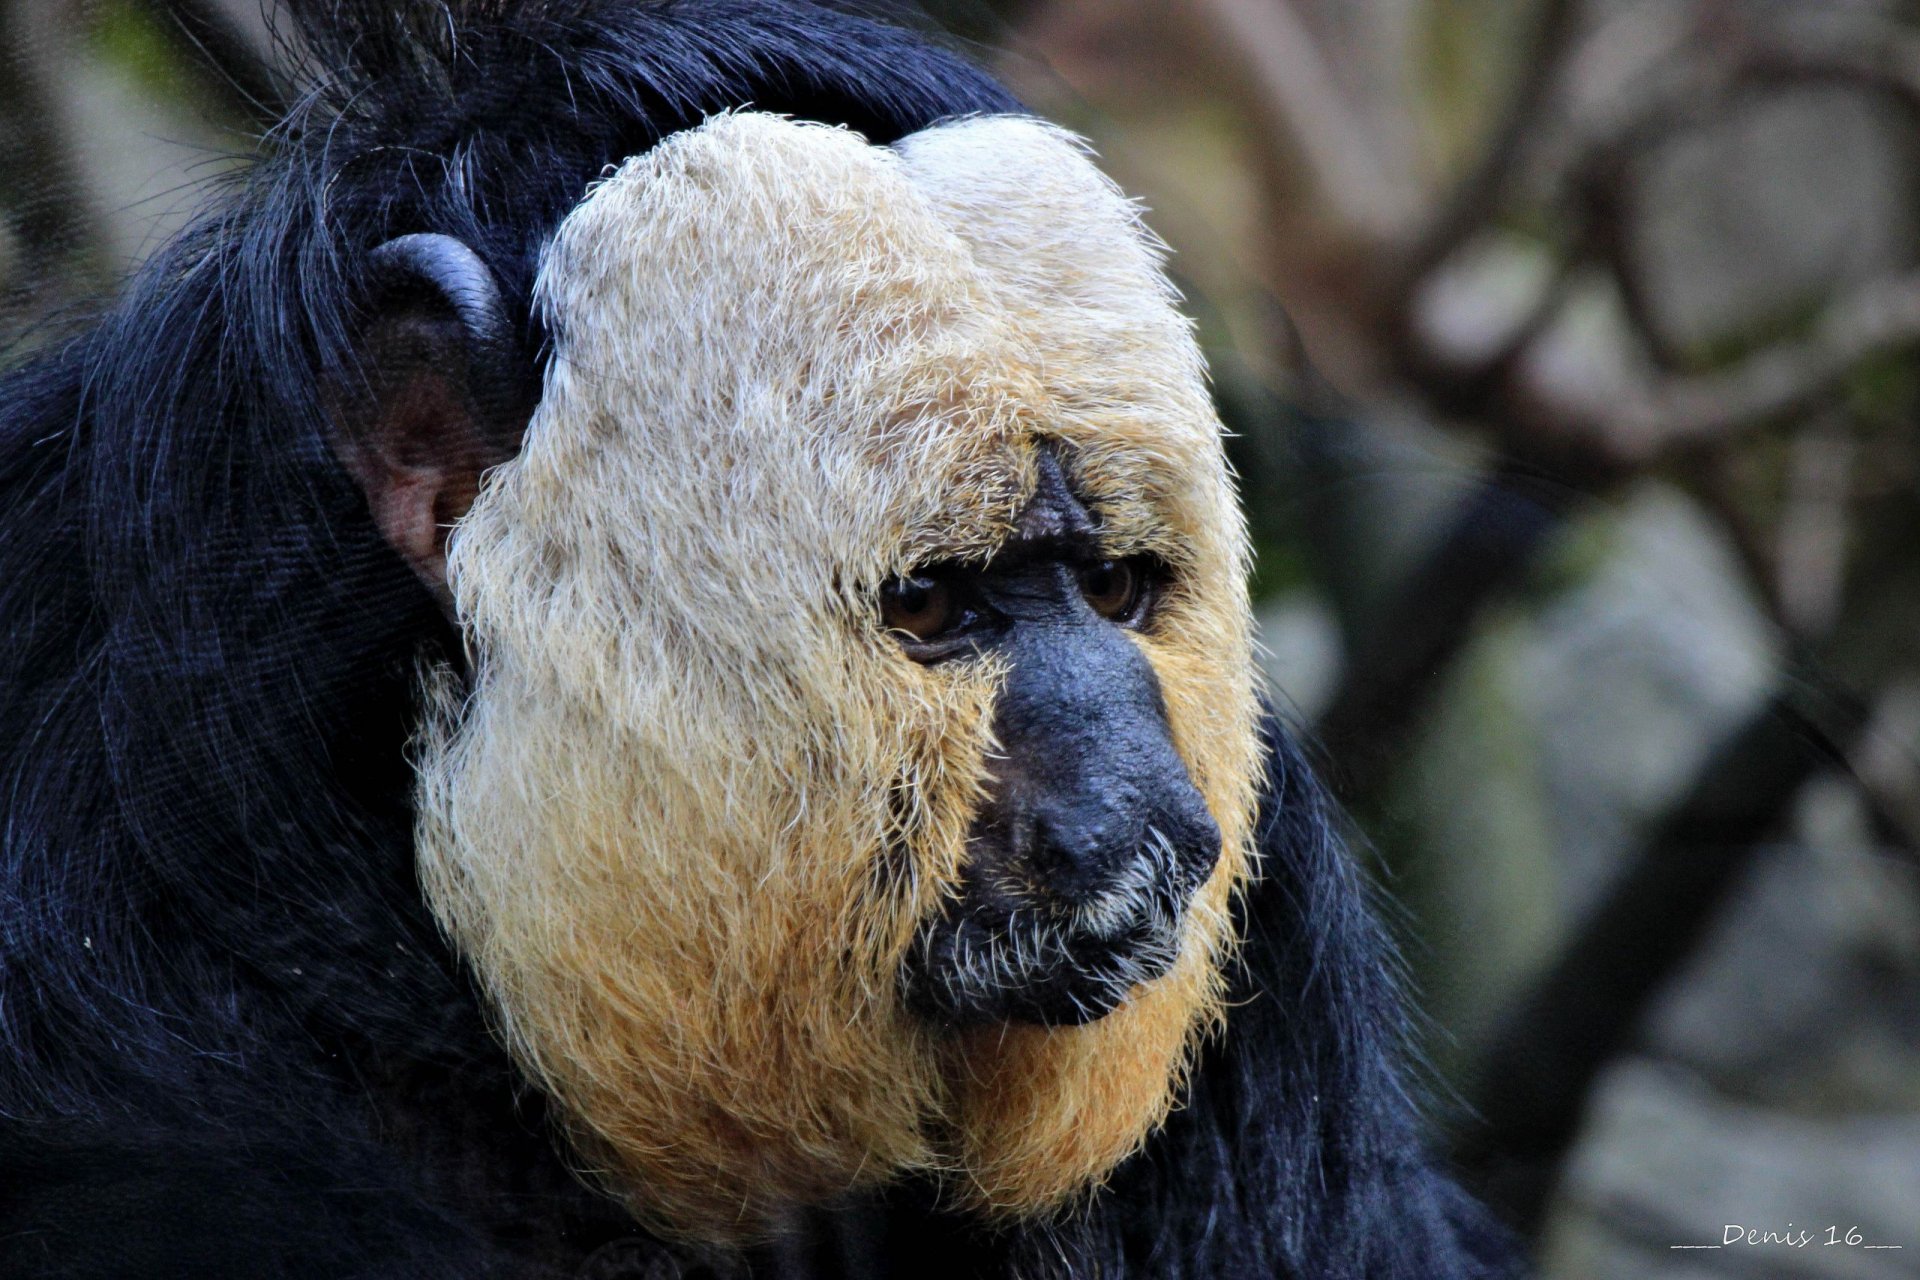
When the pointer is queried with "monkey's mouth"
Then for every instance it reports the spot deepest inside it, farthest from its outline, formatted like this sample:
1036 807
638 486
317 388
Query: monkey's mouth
1046 962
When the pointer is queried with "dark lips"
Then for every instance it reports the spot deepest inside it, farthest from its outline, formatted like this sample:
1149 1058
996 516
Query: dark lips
970 968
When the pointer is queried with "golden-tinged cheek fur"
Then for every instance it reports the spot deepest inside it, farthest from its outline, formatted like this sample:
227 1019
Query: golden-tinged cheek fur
692 807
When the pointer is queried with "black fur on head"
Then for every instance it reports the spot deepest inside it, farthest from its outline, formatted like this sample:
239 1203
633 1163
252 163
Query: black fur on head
231 1041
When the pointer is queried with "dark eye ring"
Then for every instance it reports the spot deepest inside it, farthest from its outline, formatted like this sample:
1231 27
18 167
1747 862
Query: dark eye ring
1119 590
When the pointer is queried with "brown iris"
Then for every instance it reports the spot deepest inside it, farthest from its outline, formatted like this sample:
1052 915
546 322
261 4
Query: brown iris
923 607
1116 589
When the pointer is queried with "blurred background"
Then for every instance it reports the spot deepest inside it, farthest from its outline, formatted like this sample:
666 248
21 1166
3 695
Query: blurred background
1572 352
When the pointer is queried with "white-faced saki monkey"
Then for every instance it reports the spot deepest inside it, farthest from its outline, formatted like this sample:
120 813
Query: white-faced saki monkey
632 660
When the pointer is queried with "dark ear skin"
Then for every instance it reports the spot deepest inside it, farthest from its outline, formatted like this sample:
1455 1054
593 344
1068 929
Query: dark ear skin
445 393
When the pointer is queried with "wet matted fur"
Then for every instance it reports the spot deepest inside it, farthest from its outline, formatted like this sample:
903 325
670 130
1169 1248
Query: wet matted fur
687 819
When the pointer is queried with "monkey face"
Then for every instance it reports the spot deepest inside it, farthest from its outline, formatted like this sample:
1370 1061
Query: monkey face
1092 839
860 753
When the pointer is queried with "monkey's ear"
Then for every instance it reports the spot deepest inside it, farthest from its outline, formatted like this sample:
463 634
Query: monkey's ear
444 394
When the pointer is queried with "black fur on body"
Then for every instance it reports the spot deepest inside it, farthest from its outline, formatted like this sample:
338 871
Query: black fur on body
231 1041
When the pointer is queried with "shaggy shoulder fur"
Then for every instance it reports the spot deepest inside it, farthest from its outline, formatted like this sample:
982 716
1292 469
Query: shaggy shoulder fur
232 1039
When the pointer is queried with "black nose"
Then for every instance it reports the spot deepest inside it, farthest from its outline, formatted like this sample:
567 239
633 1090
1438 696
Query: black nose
1089 790
1105 827
1086 854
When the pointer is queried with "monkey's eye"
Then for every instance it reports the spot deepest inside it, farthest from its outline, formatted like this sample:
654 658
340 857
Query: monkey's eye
922 608
1119 590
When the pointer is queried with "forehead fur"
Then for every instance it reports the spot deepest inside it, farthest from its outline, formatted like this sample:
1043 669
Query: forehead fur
794 357
697 803
1080 276
789 329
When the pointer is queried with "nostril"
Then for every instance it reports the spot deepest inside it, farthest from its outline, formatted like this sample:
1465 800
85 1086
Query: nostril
1195 840
1077 854
1080 852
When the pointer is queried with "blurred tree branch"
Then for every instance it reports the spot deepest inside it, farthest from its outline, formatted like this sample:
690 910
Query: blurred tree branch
1301 101
1586 1008
45 206
1877 318
1555 448
1482 193
231 44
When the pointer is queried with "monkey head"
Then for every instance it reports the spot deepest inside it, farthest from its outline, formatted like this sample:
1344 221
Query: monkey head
858 754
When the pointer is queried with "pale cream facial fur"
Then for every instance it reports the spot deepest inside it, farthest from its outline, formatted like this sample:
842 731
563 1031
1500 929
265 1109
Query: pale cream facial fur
695 803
